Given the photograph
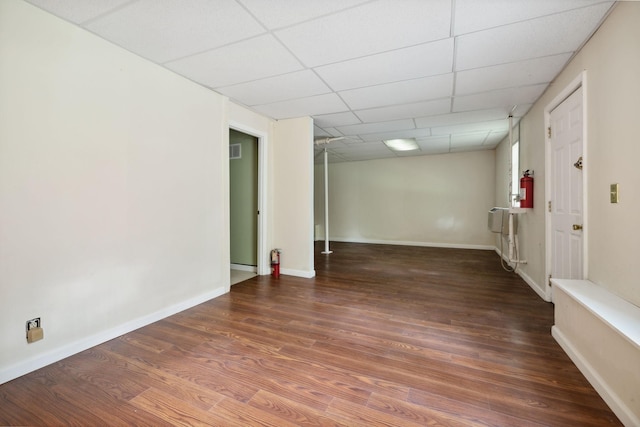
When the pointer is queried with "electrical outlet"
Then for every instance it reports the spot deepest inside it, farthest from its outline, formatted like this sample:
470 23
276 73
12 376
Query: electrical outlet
34 330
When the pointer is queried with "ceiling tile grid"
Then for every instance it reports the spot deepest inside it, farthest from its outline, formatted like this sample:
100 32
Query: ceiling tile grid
445 72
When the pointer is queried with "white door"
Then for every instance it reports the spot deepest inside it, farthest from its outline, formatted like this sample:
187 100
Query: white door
566 189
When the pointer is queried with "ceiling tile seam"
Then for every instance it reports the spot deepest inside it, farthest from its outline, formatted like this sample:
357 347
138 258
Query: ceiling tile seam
486 92
280 101
391 82
222 46
399 104
107 13
382 52
246 9
440 98
306 21
533 18
498 64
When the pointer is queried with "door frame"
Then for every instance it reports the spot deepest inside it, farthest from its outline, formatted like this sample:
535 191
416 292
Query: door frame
263 268
576 83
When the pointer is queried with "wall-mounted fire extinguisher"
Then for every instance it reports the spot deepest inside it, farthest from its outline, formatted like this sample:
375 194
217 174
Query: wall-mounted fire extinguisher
275 263
526 189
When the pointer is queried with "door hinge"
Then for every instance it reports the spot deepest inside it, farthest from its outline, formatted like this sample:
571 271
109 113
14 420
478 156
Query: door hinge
549 132
549 205
550 284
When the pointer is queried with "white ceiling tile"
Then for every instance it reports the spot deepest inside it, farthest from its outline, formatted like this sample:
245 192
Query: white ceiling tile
371 28
368 155
494 125
522 73
467 140
408 133
440 149
495 137
417 109
407 91
505 98
424 60
336 119
390 60
309 106
333 132
341 147
521 110
298 84
433 142
162 30
545 36
318 132
474 15
366 128
78 11
281 13
463 117
241 62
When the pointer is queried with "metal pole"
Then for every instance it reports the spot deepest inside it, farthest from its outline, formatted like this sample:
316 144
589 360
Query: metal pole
326 203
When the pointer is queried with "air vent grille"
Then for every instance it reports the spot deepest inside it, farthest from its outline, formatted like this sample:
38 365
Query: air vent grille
235 151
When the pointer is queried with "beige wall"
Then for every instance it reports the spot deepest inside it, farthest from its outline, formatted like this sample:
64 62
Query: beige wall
293 200
114 189
439 200
612 63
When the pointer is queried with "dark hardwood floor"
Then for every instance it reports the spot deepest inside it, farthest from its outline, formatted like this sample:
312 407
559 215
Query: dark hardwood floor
383 336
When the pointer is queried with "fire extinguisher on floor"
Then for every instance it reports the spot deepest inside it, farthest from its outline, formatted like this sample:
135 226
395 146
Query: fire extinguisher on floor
275 263
526 189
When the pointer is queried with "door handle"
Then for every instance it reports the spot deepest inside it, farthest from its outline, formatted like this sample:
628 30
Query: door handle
577 227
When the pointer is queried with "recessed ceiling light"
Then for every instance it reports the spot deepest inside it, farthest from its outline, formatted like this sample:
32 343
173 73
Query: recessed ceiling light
401 144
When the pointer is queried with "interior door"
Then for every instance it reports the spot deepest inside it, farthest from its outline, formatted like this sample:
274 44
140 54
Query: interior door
566 188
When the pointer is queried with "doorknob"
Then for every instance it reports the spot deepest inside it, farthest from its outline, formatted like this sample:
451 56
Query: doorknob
577 227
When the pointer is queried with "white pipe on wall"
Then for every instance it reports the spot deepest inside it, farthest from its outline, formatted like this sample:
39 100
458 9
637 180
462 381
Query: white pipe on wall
326 203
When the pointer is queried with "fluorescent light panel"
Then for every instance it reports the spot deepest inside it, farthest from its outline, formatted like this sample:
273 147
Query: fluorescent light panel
406 144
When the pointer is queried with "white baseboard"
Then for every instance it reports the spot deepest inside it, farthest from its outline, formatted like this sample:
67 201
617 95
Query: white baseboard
411 243
40 361
298 273
541 292
242 267
618 407
528 280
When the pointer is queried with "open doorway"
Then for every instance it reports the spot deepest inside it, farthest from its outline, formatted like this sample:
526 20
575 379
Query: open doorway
243 205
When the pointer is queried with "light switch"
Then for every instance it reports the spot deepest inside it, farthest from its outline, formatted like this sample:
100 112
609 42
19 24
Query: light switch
614 193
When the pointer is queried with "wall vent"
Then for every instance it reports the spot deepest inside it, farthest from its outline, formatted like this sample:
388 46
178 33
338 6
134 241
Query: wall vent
235 151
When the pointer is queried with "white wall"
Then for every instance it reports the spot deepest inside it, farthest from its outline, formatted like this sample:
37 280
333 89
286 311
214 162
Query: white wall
612 63
113 190
439 200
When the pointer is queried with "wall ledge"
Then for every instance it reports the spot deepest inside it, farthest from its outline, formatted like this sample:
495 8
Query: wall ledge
619 314
600 332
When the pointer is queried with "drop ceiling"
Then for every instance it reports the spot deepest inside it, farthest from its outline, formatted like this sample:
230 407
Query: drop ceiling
445 72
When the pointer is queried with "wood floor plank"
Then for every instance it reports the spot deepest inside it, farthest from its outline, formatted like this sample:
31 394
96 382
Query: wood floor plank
382 336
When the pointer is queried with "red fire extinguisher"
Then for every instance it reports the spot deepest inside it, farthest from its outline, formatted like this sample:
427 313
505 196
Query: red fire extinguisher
275 263
526 190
